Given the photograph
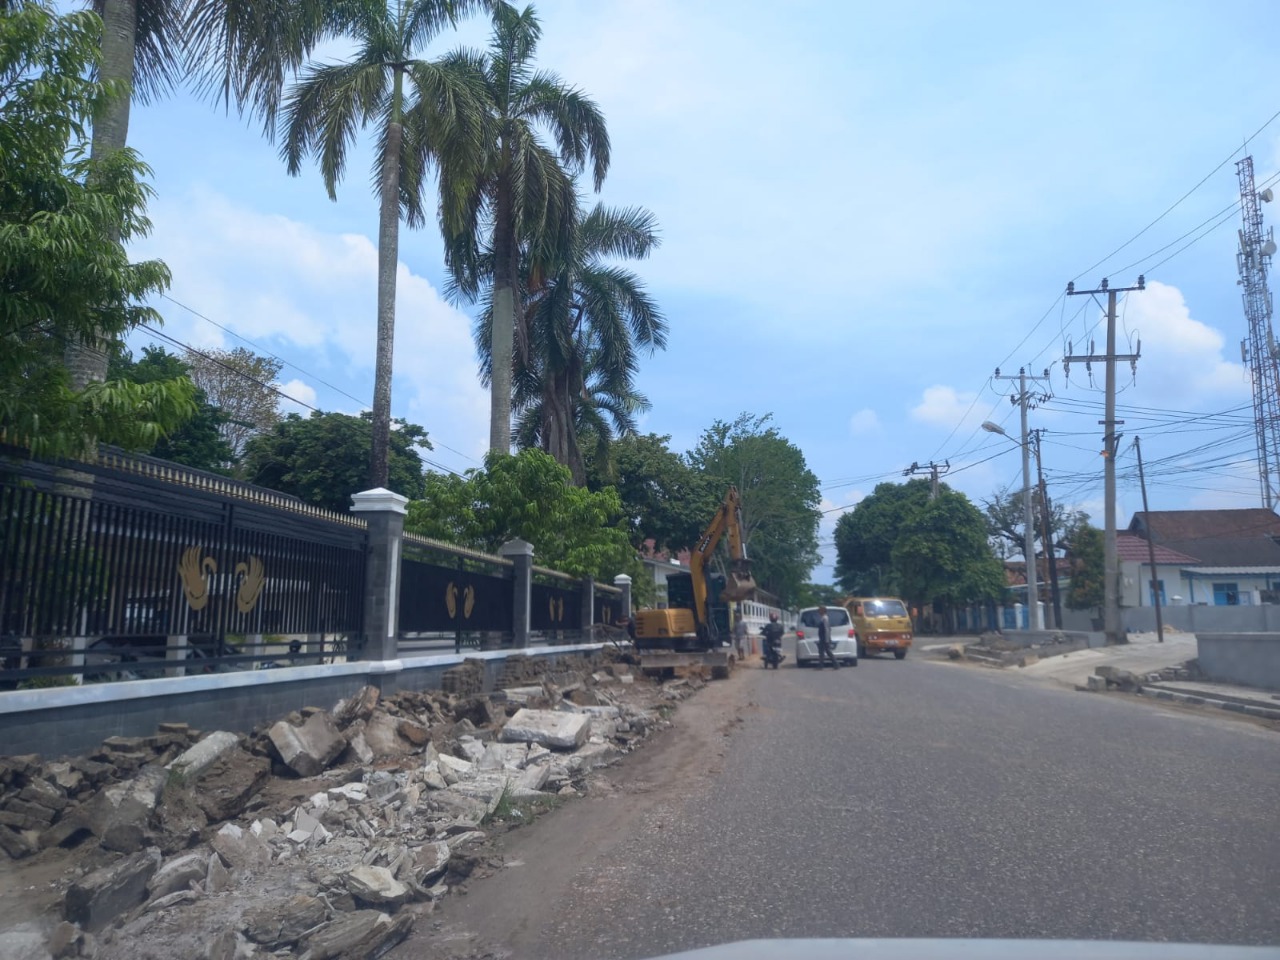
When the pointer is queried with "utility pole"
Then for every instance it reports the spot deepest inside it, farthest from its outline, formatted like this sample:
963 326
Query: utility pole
1024 399
1151 545
1110 441
1047 526
934 470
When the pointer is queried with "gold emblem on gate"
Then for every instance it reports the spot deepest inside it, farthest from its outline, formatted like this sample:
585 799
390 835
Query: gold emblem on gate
451 600
193 572
555 606
253 578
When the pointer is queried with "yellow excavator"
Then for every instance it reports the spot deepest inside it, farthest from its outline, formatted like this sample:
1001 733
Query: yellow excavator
691 620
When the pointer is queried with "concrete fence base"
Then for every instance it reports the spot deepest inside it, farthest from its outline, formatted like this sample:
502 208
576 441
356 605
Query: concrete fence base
65 721
1252 659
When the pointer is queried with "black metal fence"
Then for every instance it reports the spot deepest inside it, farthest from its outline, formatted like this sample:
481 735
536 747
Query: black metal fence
452 593
126 566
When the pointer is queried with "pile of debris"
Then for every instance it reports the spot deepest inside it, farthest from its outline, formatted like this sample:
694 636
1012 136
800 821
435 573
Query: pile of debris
307 837
1113 678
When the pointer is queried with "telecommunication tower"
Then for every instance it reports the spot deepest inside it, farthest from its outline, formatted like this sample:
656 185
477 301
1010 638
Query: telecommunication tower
1258 351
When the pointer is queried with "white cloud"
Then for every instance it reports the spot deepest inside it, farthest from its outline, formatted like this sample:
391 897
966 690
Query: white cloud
309 296
944 406
303 393
1182 363
863 422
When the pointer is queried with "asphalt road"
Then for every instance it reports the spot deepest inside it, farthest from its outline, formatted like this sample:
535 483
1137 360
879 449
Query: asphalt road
916 799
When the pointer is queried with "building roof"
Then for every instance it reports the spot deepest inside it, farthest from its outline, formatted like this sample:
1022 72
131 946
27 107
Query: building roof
1134 548
1223 538
1231 571
1168 526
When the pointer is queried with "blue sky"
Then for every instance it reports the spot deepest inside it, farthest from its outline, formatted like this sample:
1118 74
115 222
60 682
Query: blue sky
865 209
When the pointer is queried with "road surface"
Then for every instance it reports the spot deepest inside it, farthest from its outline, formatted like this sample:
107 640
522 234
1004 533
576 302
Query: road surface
898 799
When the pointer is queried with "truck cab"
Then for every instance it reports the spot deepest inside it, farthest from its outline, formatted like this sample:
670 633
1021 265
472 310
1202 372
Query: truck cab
882 623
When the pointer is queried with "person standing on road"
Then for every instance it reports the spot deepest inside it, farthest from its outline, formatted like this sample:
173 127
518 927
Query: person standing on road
825 651
740 634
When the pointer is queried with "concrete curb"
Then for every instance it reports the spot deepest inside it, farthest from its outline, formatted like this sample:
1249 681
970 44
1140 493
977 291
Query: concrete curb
1252 710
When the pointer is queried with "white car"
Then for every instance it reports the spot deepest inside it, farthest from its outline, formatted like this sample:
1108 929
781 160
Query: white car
844 639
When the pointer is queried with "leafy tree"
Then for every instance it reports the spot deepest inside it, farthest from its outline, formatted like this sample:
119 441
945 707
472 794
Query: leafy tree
817 594
663 498
530 497
779 493
1086 552
520 195
1005 516
865 536
241 384
197 443
941 554
324 458
421 109
64 277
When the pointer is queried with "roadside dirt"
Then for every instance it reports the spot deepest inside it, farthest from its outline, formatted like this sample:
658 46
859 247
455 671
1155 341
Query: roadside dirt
535 868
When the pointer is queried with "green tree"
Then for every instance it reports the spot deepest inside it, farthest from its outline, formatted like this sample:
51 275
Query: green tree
422 110
779 493
64 277
865 536
324 458
1005 521
817 594
941 555
1086 553
520 195
241 384
197 443
663 498
528 496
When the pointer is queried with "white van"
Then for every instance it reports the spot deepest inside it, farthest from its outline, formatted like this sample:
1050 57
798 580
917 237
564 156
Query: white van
844 639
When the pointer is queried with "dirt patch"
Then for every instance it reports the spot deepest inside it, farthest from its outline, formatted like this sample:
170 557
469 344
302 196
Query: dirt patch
530 871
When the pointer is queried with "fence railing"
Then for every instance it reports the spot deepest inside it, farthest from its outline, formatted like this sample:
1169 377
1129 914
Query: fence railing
121 567
110 562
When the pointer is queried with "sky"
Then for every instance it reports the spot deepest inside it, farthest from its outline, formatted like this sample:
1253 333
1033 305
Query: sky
865 210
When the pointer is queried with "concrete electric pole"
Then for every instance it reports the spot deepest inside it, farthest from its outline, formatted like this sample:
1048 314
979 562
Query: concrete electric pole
934 470
1110 441
1024 400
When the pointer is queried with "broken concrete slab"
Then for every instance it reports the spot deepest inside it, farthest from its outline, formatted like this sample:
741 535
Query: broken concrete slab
277 924
375 886
359 706
240 849
178 874
455 766
65 941
230 783
96 899
503 756
430 861
365 933
550 728
382 734
120 814
217 877
195 760
309 749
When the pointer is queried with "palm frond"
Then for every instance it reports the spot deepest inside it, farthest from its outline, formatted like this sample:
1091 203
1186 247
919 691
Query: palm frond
575 120
324 111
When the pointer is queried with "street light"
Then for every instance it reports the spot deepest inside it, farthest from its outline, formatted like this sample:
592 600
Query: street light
1035 621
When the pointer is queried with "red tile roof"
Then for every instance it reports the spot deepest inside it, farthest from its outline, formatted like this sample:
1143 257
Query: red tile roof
1130 547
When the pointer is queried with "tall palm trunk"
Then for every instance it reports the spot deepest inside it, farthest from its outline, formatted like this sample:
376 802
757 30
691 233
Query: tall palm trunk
86 361
388 262
505 302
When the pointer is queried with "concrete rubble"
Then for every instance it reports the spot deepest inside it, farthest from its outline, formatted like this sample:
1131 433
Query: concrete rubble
317 835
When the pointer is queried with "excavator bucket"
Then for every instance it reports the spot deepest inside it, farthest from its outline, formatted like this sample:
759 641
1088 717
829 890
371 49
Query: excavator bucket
739 584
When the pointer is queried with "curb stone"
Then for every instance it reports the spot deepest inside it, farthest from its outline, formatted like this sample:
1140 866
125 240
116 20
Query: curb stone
1250 709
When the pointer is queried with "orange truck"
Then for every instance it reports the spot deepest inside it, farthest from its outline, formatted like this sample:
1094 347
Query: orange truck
882 624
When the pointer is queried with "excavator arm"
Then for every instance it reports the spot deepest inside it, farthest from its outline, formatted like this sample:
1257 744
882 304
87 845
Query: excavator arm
739 583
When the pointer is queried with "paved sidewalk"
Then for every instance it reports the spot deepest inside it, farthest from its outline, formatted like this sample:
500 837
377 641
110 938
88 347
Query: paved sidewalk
1141 655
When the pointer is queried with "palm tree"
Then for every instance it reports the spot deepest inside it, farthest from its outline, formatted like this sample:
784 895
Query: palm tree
586 318
240 49
424 110
521 196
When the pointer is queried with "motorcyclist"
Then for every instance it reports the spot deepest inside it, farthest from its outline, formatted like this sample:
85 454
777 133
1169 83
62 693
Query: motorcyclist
772 633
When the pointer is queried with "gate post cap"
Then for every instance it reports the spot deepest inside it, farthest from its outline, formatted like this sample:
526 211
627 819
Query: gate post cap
516 548
621 580
379 499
